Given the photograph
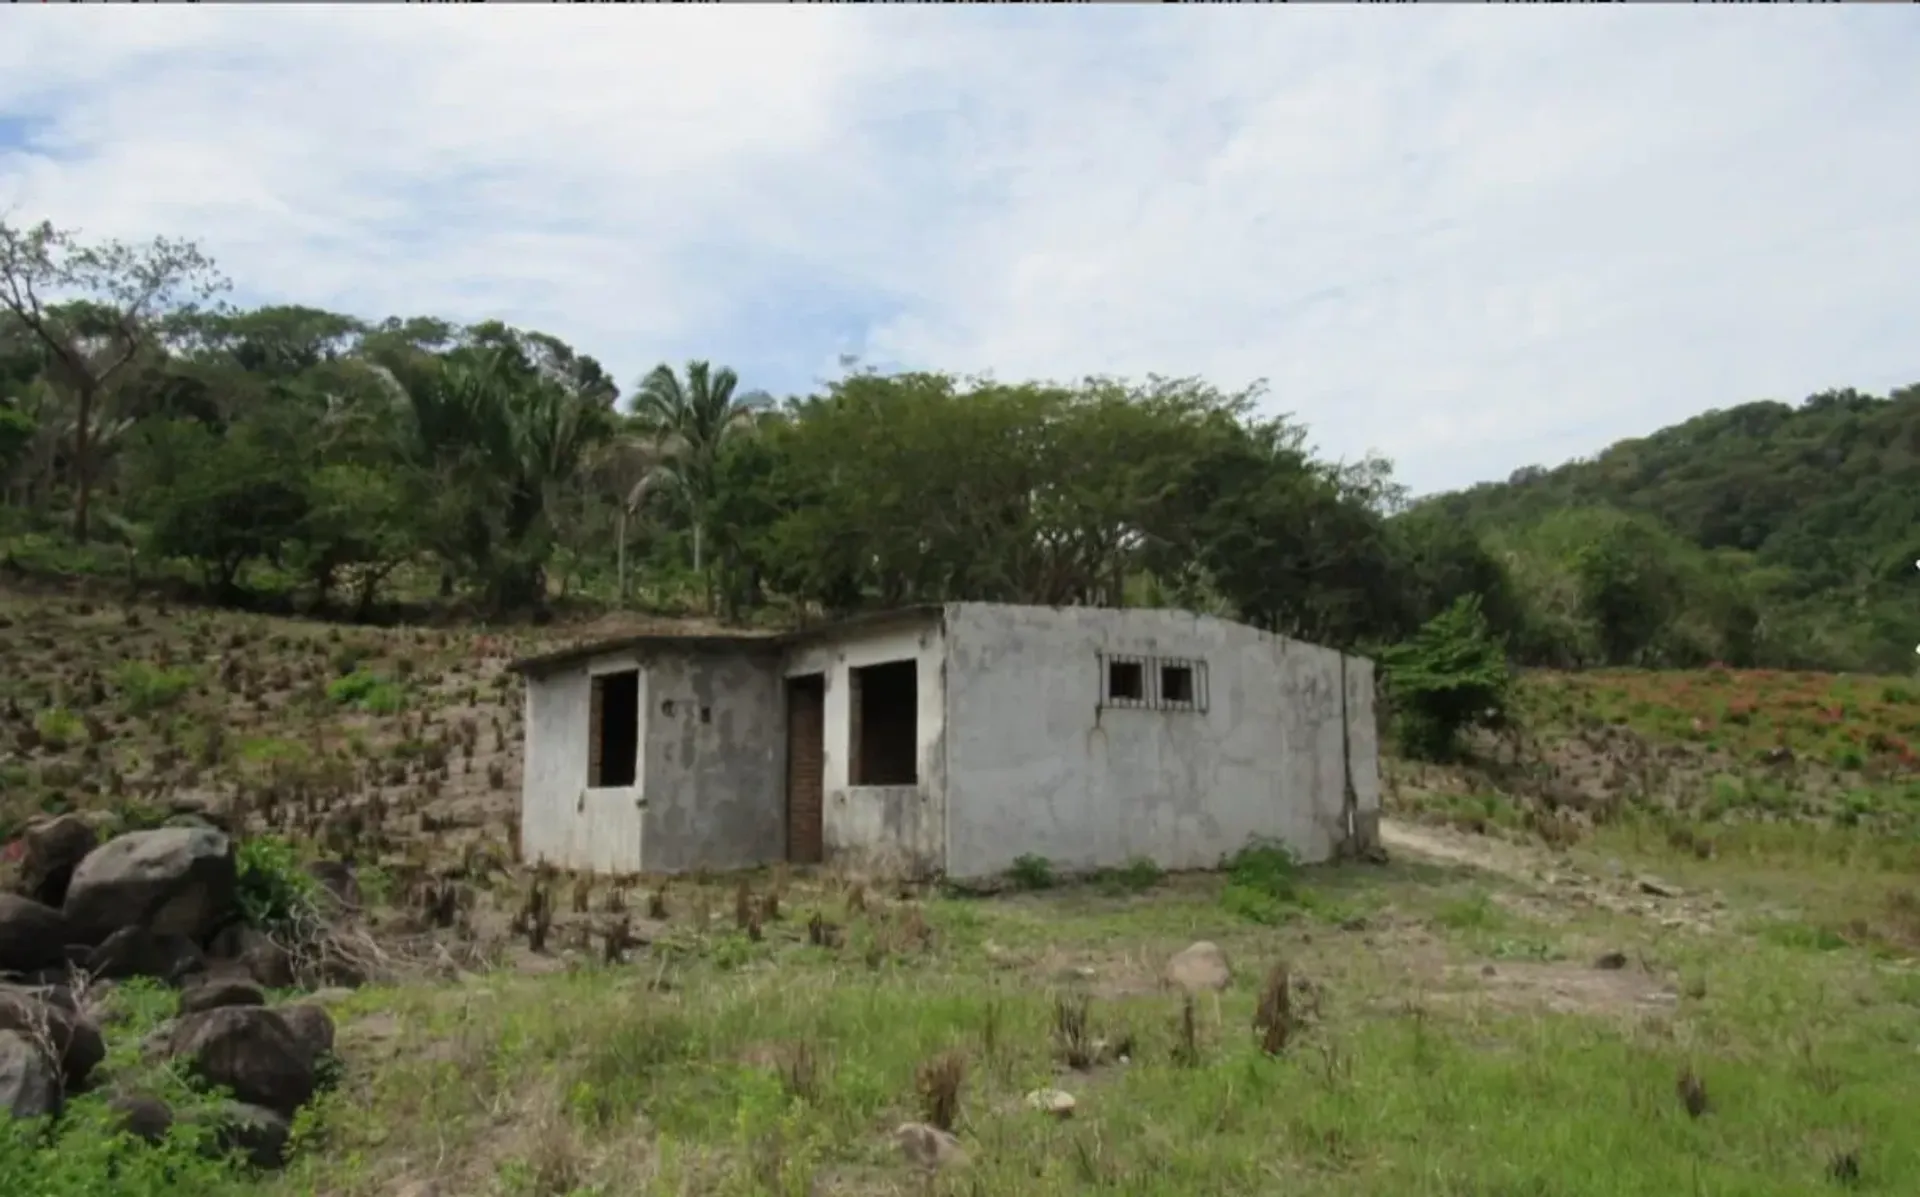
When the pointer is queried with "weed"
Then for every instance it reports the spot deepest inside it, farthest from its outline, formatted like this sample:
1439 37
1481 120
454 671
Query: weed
1030 872
938 1084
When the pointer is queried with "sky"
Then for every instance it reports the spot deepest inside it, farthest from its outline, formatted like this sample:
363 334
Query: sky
1470 238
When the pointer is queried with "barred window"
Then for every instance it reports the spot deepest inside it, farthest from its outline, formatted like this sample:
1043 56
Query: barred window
1152 683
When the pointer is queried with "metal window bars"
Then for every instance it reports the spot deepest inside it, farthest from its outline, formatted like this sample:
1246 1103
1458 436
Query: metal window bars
1129 681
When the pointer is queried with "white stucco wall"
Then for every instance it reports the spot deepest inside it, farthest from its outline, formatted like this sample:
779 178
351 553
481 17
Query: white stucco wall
1034 766
882 829
562 819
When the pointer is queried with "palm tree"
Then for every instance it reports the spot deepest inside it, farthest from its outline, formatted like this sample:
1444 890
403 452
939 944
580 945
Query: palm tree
683 425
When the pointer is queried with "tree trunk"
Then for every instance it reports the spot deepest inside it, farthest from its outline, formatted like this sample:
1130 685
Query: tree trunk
82 466
620 554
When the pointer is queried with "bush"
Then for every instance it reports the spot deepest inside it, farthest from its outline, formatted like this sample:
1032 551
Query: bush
146 687
1031 872
1450 676
1263 884
368 691
275 893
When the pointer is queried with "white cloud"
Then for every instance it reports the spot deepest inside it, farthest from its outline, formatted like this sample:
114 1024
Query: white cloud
1473 238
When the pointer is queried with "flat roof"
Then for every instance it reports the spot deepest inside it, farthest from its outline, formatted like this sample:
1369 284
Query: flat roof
742 640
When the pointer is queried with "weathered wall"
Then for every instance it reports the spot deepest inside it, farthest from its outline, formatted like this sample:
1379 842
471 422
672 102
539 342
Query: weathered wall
891 830
561 819
1035 766
715 757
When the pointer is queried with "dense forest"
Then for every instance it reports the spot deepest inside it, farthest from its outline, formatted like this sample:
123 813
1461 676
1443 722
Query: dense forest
288 456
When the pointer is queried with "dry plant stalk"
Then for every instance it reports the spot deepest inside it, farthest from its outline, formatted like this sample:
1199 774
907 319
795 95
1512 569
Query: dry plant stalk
938 1083
1273 1018
1071 1040
742 907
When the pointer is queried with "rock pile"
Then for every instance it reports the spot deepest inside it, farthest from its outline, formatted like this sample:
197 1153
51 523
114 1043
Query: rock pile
159 904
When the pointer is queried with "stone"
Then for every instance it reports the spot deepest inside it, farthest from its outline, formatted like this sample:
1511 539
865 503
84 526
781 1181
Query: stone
1657 888
29 1080
143 1117
1199 966
76 1043
311 1027
1056 1102
138 952
259 1134
33 935
1611 960
171 880
216 993
50 851
929 1147
256 953
250 1051
337 882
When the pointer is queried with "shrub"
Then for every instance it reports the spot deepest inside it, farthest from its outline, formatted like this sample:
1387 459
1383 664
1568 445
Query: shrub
367 691
1450 676
1031 872
1263 883
275 893
146 687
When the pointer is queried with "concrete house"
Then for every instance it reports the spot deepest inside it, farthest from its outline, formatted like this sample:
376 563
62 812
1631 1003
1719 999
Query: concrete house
948 740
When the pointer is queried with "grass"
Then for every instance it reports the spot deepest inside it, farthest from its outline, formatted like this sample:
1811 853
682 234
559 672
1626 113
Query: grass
1453 1035
787 1072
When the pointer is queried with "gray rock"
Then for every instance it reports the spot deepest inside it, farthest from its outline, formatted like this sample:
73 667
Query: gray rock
33 936
143 1117
74 1040
29 1080
216 993
51 850
311 1026
250 1051
1199 966
928 1146
172 880
259 1134
256 953
139 952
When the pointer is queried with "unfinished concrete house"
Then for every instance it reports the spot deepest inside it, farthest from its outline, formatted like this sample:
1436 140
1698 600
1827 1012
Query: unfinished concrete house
948 740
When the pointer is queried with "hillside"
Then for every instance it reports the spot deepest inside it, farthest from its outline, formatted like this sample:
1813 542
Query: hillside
681 1038
1790 533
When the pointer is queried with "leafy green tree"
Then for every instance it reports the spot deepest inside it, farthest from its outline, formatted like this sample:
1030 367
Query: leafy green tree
121 294
686 423
220 501
1450 676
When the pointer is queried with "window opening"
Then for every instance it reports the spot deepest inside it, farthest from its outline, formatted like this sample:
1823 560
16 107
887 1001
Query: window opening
883 724
613 754
1176 685
1127 681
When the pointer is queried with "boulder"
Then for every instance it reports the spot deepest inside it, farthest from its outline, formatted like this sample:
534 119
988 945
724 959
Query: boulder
249 1051
29 1080
928 1146
258 1134
33 936
311 1026
74 1040
218 993
256 954
1199 966
172 880
337 881
139 952
143 1117
51 850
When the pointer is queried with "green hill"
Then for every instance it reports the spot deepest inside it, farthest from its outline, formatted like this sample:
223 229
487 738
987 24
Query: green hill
1761 534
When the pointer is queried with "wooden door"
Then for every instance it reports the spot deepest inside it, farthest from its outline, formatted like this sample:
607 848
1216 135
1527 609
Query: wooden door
806 768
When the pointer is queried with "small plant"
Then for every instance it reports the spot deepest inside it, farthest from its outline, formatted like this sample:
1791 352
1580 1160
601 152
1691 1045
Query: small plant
1030 872
1263 884
145 687
1072 1038
368 692
275 893
1137 876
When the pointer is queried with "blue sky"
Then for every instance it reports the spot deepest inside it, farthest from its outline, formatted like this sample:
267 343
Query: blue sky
1470 238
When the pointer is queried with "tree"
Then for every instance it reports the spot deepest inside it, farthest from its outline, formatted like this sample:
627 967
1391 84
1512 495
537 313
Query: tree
687 423
111 297
1451 675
